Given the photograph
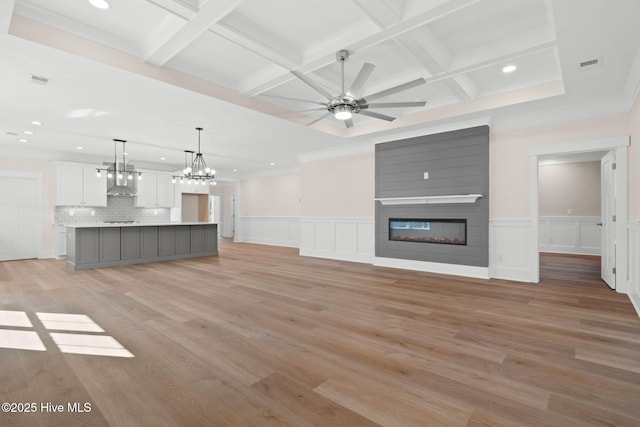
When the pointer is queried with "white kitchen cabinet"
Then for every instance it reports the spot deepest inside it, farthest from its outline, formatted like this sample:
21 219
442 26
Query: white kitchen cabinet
155 190
78 185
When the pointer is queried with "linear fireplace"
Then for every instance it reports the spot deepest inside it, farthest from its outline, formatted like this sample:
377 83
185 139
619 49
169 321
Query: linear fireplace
447 231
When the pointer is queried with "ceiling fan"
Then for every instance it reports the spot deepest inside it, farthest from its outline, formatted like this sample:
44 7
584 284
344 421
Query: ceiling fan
347 103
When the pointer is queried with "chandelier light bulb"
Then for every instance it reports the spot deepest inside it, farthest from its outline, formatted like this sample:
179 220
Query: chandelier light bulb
139 176
213 171
98 174
130 176
119 175
173 180
181 181
208 170
204 182
109 175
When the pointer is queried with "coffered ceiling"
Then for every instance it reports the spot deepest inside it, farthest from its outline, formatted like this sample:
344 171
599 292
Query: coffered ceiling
150 71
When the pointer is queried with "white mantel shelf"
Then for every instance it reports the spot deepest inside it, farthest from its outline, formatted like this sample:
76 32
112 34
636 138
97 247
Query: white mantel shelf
430 200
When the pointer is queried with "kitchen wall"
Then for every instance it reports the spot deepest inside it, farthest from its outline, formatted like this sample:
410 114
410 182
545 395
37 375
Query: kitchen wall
119 208
569 187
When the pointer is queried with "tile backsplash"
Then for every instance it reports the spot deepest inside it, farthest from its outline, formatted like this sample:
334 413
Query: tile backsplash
119 208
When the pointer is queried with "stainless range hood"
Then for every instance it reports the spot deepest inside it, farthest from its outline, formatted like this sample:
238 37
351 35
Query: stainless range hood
121 178
123 186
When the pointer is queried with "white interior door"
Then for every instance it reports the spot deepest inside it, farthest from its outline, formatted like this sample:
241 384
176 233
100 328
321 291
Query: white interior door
19 217
608 208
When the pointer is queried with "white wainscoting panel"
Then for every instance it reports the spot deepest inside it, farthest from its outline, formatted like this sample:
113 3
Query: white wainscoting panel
277 231
509 250
569 234
634 265
347 239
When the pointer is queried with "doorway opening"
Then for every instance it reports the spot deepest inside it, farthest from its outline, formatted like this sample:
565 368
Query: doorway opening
195 207
615 189
570 216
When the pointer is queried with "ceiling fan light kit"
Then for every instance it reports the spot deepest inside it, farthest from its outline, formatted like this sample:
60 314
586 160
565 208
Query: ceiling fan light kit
348 102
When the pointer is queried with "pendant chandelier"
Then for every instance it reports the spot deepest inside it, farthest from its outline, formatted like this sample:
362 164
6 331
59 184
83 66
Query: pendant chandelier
196 171
120 173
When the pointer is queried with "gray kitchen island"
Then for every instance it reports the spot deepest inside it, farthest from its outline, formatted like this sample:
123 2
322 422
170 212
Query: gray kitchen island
108 245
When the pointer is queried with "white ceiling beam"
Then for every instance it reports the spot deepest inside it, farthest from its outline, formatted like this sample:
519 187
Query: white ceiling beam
382 12
211 13
425 46
368 37
176 8
6 12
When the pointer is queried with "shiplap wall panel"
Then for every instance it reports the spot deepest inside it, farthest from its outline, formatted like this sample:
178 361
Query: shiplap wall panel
457 163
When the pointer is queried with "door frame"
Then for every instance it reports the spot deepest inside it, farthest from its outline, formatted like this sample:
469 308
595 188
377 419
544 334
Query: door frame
39 208
620 146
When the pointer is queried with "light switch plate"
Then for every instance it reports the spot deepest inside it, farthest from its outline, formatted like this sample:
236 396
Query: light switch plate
426 175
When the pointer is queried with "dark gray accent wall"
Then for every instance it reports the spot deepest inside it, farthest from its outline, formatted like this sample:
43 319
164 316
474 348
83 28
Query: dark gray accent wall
457 163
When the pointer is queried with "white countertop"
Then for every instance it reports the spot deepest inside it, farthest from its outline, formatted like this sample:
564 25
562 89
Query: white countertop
135 224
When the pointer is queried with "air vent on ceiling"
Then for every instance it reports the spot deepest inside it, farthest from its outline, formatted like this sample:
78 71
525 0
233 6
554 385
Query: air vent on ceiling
39 80
590 64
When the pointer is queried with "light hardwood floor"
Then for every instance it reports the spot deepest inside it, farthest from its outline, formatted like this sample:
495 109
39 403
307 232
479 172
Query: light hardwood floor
260 336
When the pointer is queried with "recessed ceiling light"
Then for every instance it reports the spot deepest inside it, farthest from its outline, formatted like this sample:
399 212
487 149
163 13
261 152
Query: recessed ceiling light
235 170
509 69
35 122
28 132
23 140
79 148
100 4
272 164
163 158
125 154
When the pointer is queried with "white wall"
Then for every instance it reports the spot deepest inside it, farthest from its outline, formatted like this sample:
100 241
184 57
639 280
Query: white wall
569 189
634 164
269 210
511 230
47 170
341 187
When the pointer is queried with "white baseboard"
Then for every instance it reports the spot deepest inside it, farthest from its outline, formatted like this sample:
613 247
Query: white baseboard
433 267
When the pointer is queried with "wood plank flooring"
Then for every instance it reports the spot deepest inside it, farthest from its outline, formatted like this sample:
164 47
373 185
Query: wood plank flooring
262 337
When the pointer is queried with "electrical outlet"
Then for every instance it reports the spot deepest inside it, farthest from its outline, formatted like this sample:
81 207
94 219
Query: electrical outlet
93 213
426 175
569 211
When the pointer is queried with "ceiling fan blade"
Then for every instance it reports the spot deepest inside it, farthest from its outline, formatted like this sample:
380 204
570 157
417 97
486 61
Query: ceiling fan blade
396 89
348 123
376 115
284 113
396 104
312 84
360 79
324 116
293 99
